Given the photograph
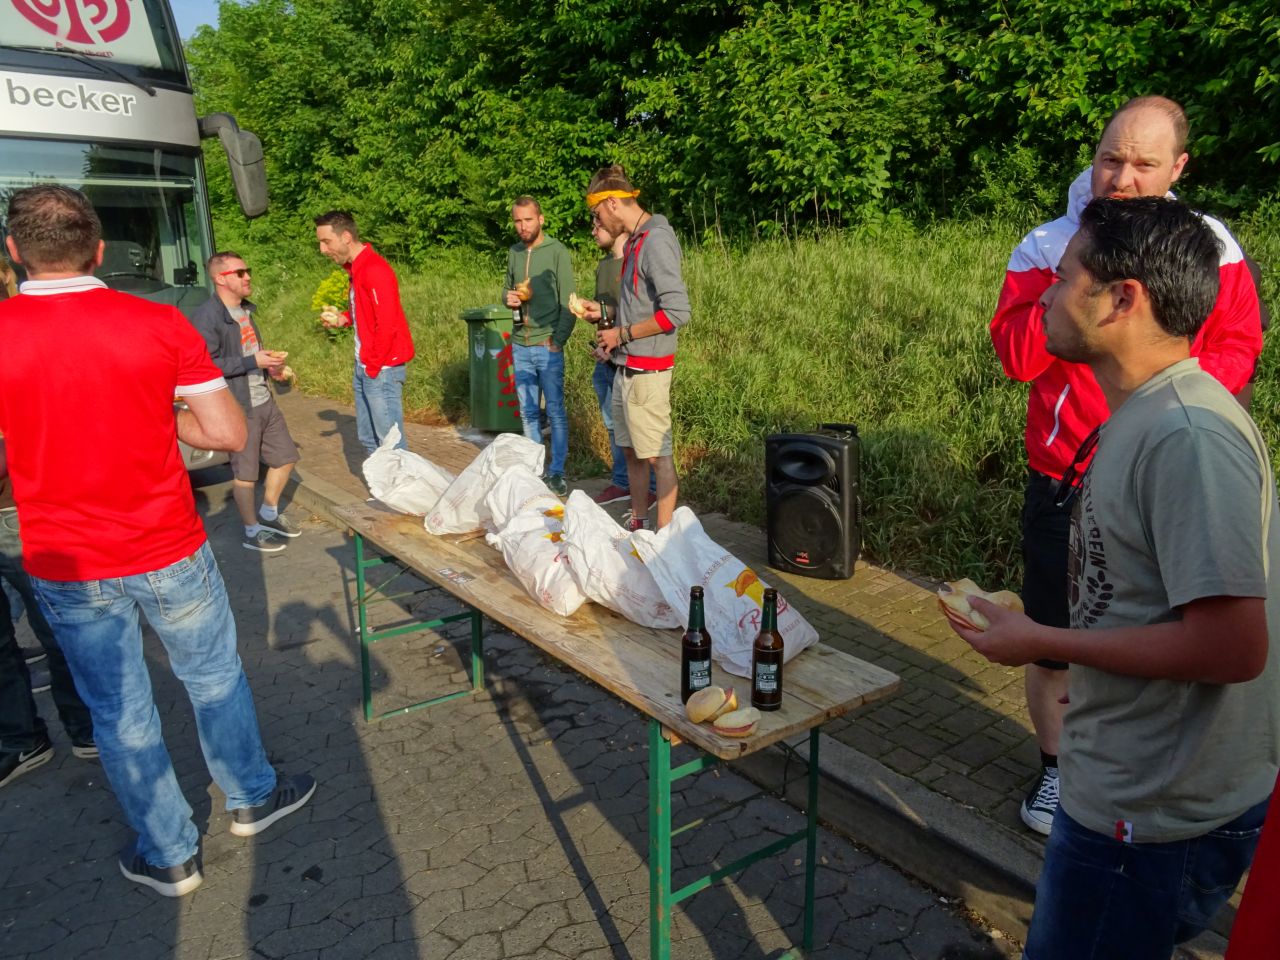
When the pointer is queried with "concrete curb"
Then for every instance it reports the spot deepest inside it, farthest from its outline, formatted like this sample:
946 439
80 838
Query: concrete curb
948 846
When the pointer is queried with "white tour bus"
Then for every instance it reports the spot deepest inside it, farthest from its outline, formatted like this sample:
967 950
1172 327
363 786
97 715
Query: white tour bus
95 94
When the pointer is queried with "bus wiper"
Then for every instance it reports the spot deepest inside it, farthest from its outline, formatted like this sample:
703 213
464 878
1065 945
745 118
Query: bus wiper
94 62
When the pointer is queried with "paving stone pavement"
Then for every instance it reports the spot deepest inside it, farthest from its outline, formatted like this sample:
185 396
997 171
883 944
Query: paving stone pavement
510 826
959 724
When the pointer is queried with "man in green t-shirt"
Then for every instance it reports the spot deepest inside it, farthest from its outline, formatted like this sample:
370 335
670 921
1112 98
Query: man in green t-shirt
1171 742
538 284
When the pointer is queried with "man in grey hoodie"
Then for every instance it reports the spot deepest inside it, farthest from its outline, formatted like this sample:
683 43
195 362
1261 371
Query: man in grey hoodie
652 306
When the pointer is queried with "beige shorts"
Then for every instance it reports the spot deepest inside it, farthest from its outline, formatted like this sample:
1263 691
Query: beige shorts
642 412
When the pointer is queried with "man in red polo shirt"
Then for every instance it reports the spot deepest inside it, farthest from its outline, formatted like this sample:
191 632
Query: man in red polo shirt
109 527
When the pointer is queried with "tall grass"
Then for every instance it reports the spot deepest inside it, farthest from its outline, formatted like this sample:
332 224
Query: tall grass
886 329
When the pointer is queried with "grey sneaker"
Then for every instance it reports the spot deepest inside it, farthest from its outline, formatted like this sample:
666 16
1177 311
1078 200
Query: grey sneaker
281 525
264 541
167 881
15 764
557 484
291 793
1042 802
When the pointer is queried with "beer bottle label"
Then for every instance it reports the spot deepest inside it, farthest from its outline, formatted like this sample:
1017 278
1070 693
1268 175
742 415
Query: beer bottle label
699 674
766 677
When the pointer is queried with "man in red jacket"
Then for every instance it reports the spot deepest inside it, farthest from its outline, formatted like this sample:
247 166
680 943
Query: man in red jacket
383 343
1141 154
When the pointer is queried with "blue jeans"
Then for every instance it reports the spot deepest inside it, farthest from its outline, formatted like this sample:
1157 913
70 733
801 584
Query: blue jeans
540 375
96 622
1099 898
378 405
602 382
21 728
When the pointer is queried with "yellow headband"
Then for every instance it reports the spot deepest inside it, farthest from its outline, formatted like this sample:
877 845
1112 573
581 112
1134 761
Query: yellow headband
594 198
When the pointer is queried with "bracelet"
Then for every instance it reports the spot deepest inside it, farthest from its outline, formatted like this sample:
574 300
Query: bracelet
626 334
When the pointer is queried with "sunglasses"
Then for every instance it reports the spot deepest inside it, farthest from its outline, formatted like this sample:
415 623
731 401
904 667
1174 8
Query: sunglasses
1073 478
240 272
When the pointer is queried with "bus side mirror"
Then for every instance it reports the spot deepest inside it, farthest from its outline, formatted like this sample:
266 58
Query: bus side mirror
244 157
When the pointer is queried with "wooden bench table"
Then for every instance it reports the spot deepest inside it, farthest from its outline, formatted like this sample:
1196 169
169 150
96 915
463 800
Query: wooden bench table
637 664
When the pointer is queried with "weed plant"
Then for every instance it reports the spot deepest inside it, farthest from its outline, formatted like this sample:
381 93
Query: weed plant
886 329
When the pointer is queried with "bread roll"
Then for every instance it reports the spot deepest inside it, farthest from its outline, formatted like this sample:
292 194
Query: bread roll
954 597
737 723
709 703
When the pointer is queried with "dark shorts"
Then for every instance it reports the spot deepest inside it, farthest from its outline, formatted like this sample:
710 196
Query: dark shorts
269 442
1046 533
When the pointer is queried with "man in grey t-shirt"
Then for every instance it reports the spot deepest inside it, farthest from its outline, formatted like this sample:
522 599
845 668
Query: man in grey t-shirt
1171 743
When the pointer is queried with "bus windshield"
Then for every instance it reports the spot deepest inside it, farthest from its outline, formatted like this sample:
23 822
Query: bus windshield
136 36
151 203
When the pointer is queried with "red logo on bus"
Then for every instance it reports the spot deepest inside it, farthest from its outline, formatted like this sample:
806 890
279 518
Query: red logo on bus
78 21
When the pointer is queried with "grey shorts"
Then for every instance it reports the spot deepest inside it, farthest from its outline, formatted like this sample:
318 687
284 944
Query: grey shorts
269 442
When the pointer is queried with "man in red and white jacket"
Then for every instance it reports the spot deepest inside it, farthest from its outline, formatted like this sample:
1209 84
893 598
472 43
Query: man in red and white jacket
1141 154
383 343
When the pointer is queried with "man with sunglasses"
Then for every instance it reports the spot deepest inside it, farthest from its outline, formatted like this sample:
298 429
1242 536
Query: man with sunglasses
1171 744
1141 154
226 322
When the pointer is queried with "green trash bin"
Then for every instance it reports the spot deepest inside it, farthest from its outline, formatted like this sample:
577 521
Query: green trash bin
494 404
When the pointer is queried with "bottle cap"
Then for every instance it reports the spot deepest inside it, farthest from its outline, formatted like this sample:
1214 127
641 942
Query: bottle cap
695 591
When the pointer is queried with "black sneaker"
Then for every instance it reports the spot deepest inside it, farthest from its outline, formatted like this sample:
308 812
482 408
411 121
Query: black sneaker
281 525
264 541
40 680
1042 802
167 881
32 654
84 749
15 764
290 794
557 484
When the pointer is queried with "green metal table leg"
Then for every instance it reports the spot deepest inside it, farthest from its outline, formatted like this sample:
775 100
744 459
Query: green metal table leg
659 843
811 841
477 649
362 621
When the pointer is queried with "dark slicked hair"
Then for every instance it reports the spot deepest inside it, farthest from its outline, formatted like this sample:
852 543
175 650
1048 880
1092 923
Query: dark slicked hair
611 178
527 201
1162 244
55 228
1172 111
341 221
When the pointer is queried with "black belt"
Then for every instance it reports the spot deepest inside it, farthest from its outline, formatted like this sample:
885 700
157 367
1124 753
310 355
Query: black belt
635 372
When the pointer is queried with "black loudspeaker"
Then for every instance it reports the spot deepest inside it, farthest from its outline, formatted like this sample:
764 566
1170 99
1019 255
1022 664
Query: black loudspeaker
812 501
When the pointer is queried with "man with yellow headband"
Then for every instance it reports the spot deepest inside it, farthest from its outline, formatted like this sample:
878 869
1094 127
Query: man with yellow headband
652 306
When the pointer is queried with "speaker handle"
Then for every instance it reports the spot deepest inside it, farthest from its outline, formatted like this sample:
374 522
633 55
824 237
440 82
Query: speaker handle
849 429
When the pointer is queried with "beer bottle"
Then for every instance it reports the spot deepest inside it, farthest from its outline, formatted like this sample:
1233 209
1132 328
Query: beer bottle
695 653
766 658
608 316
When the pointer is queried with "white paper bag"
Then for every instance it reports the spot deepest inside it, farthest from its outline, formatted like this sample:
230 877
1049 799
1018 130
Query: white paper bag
529 521
681 555
608 569
461 508
404 480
